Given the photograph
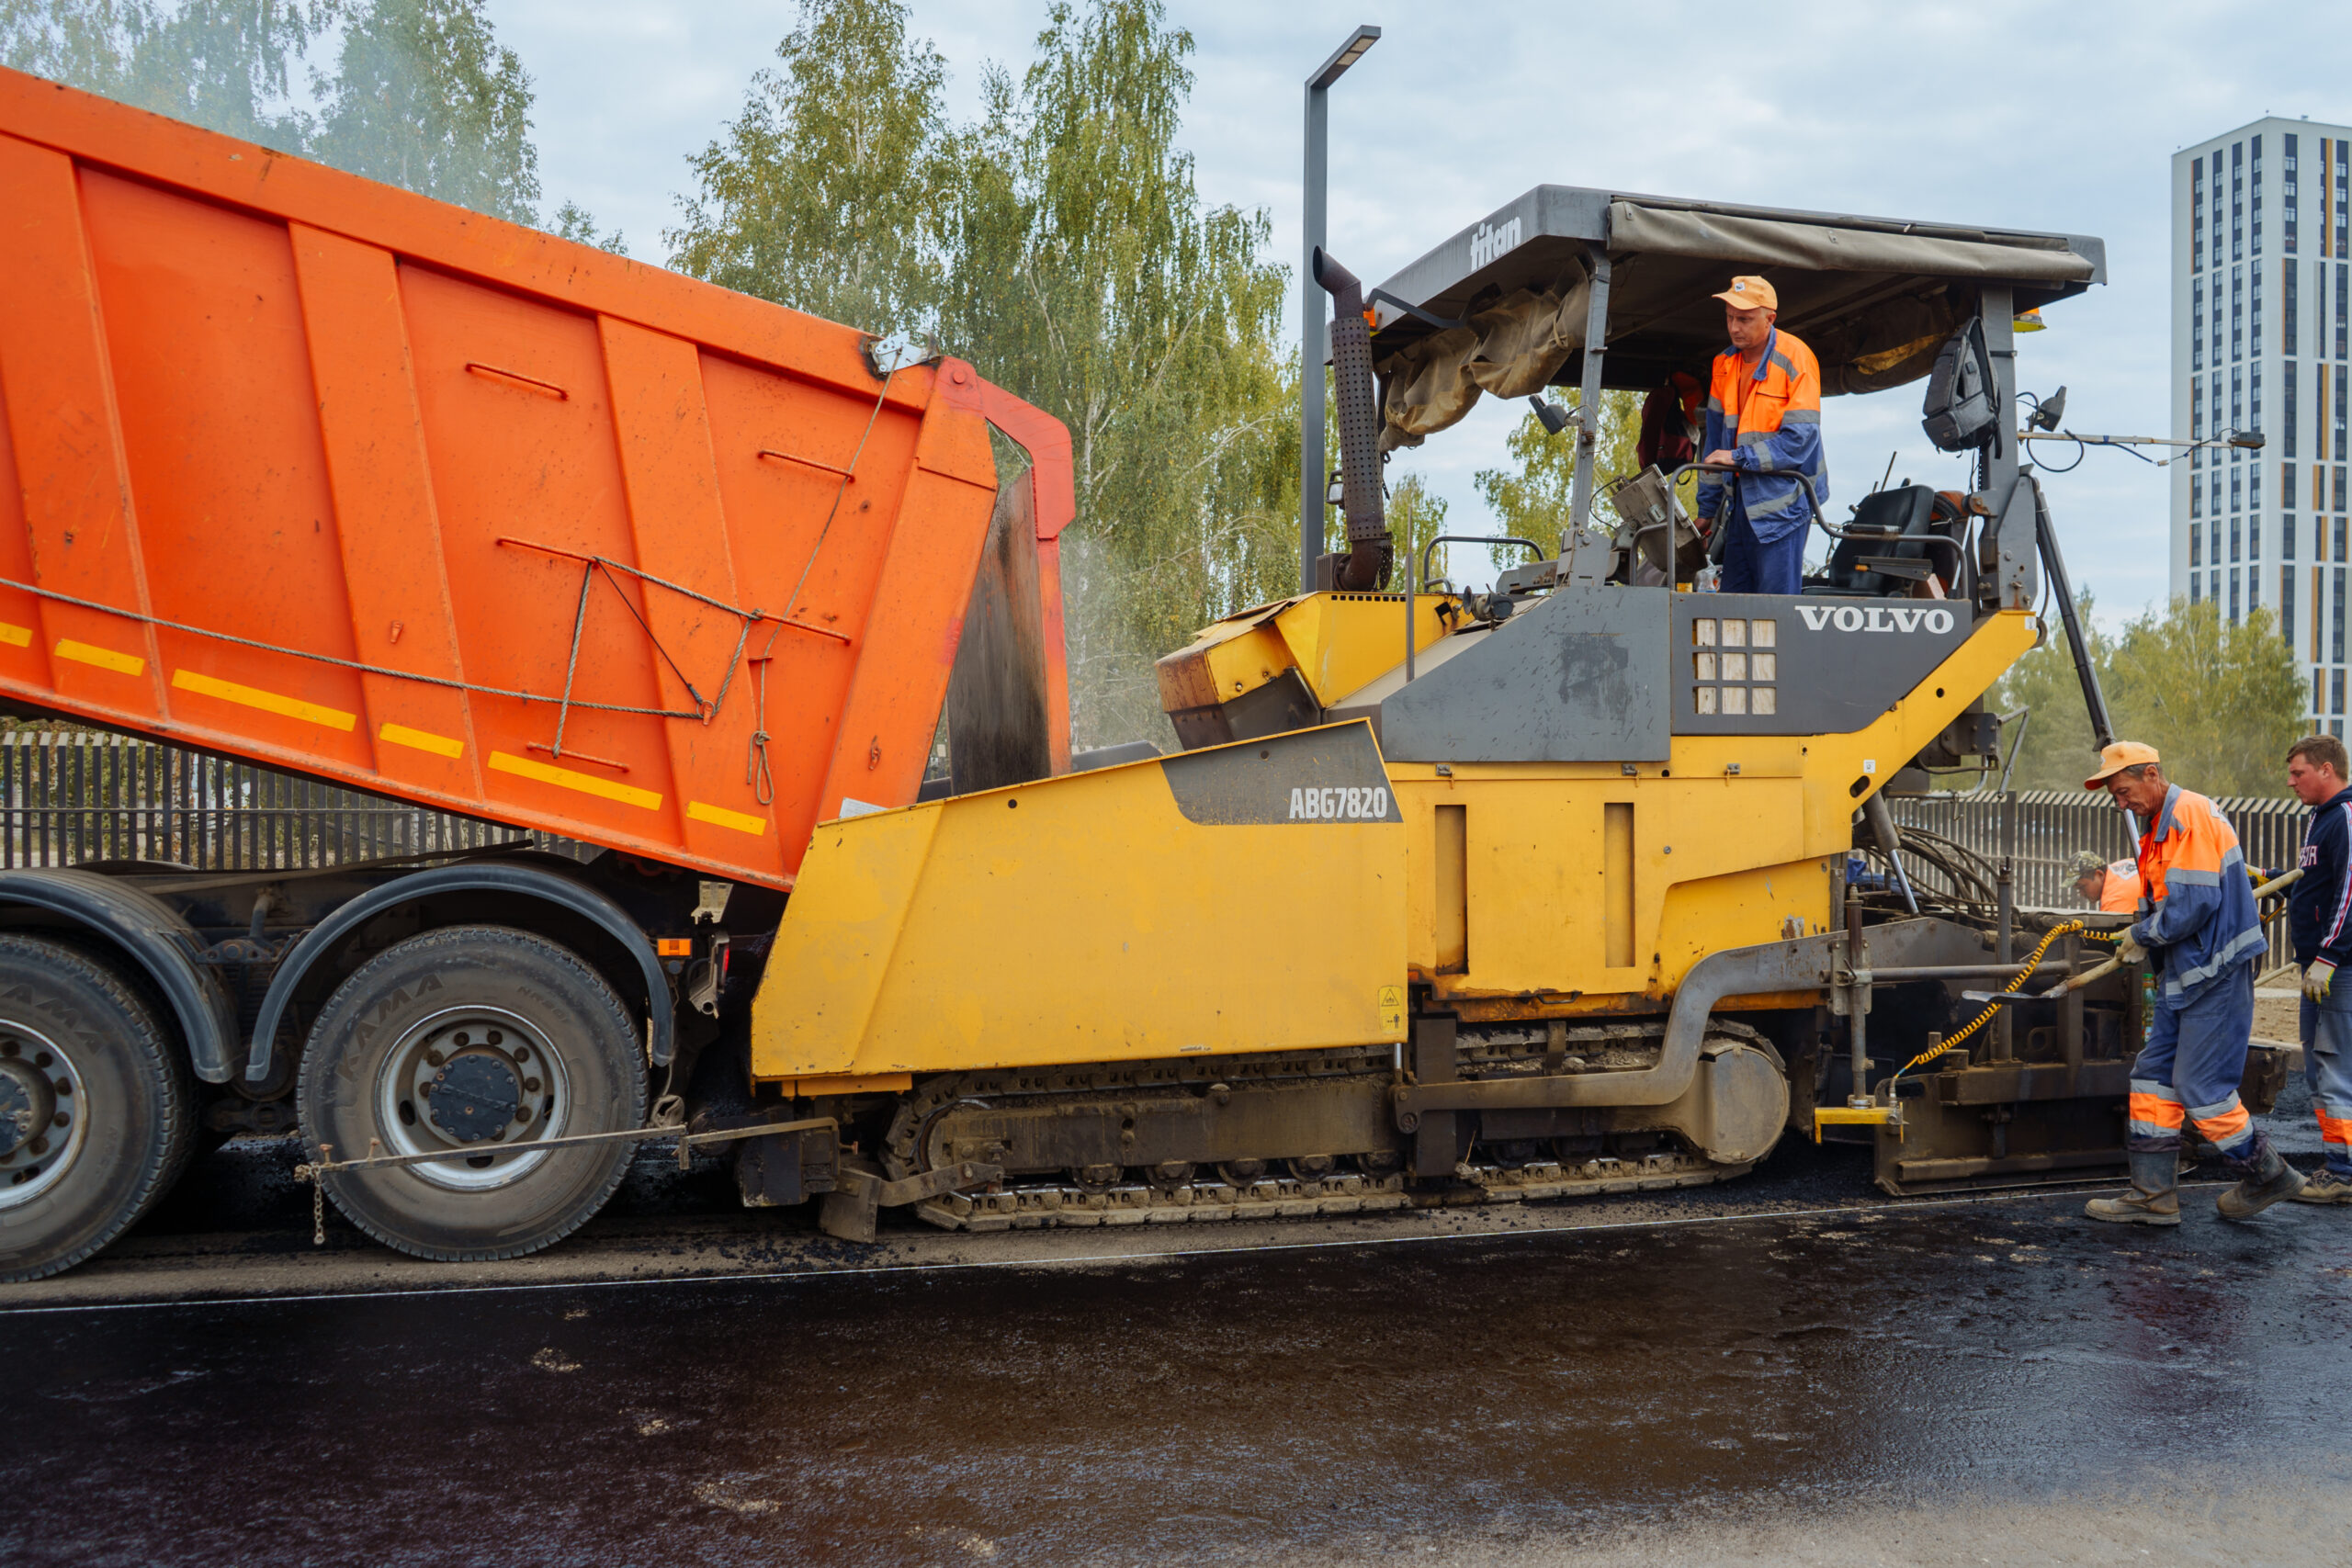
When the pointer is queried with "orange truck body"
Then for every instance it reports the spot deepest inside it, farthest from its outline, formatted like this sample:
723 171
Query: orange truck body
315 471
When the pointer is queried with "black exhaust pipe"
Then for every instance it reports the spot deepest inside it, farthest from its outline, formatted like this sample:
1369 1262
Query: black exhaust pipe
1366 566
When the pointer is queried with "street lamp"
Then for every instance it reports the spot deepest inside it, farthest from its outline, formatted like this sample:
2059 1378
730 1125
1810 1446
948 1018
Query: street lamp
1312 345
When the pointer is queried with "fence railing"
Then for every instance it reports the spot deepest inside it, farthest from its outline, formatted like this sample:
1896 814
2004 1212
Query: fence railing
2054 826
72 799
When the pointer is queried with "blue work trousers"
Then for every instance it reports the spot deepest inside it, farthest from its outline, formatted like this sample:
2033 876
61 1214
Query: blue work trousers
2190 1068
1750 567
2327 1068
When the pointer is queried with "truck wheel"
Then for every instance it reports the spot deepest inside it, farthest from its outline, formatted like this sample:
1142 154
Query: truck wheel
470 1038
96 1117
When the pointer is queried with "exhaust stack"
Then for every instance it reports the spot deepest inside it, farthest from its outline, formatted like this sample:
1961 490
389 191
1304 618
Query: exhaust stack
1366 564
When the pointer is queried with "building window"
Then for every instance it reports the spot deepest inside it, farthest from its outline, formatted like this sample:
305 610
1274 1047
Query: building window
2233 596
2343 299
2286 605
2318 691
2237 404
2253 591
2255 177
2289 488
2339 540
2343 383
2253 478
2335 690
2319 420
2287 305
2285 538
2343 220
2253 523
2196 587
2193 535
2335 619
2237 492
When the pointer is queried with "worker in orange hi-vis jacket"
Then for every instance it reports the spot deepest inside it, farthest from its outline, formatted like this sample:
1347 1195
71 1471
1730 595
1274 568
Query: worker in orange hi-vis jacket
2199 931
2113 886
1763 428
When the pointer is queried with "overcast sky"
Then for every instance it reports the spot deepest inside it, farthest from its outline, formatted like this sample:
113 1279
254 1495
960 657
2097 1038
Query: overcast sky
2025 116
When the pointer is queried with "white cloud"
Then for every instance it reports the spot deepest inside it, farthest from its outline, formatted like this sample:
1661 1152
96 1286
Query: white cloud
1999 112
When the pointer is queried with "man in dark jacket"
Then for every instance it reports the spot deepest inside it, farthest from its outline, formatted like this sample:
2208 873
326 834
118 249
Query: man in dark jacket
2319 919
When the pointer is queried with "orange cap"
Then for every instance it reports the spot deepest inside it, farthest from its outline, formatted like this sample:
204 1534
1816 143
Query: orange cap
1748 293
2113 760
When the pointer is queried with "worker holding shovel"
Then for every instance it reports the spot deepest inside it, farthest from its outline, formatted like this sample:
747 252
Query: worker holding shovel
2202 932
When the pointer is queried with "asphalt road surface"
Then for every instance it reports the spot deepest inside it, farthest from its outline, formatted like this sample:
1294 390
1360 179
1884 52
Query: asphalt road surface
1791 1369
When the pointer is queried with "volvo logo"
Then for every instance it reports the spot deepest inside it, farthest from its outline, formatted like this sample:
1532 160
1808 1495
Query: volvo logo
1875 618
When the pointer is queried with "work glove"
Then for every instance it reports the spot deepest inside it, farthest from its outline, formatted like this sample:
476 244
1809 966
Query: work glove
2128 948
2317 979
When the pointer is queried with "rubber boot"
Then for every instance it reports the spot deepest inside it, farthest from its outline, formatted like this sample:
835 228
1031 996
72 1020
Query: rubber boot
2272 1180
2155 1198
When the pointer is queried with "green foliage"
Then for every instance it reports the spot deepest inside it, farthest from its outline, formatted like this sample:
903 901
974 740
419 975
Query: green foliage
422 95
573 221
86 43
826 194
2221 702
1530 500
1089 280
225 64
1057 243
1416 515
424 98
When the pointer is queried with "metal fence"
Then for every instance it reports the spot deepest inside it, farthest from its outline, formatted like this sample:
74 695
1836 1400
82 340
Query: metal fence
2054 826
71 798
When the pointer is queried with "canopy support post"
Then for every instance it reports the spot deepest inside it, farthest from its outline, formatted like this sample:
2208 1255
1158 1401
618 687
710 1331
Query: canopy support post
1595 337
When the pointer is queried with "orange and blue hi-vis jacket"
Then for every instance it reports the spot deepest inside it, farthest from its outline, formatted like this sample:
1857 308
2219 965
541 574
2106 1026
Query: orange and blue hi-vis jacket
1772 418
2199 917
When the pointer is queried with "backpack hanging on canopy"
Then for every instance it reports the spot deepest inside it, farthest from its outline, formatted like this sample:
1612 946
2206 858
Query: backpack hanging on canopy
1962 412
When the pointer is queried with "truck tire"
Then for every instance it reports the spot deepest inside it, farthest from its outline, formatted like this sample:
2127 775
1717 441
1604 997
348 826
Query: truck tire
520 1040
97 1113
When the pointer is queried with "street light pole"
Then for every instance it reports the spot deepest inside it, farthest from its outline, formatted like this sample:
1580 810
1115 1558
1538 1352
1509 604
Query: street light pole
1313 328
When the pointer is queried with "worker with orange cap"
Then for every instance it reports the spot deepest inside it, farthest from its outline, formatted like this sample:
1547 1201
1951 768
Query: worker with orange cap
2198 929
1764 422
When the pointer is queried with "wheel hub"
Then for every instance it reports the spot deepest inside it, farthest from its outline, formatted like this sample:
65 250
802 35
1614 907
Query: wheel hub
21 1113
478 1078
43 1122
475 1096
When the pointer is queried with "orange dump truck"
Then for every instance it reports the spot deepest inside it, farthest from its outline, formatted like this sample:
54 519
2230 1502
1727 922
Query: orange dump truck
309 471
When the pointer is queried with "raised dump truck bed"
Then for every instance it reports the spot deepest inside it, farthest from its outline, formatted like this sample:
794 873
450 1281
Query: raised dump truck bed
305 468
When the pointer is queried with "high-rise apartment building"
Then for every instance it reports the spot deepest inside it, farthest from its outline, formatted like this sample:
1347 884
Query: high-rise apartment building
2261 246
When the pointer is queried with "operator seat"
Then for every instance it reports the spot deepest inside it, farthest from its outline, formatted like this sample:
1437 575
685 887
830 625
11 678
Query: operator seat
1888 525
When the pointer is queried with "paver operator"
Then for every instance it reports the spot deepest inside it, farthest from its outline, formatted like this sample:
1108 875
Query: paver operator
2113 886
2319 920
2199 932
1764 419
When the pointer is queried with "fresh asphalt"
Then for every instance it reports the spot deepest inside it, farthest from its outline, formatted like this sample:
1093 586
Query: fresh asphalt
1791 1368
